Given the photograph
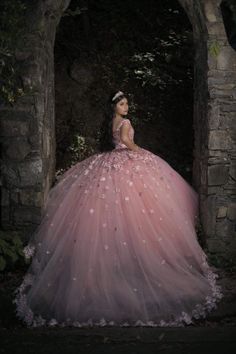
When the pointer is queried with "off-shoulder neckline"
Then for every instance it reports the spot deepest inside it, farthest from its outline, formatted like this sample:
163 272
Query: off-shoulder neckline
119 125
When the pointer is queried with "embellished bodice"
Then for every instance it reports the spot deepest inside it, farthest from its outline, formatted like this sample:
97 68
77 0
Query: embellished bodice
116 134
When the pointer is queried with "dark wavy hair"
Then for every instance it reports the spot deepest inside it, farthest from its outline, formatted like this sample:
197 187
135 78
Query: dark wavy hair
106 135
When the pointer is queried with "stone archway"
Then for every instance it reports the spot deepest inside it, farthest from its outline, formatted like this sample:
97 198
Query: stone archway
28 128
214 166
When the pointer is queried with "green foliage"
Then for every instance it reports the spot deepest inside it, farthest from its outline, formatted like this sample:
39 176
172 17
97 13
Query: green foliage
11 250
148 55
80 148
12 27
214 49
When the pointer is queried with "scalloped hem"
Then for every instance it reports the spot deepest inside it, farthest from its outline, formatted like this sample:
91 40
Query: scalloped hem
24 313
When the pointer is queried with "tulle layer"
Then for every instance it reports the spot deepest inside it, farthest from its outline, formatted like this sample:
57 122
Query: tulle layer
117 246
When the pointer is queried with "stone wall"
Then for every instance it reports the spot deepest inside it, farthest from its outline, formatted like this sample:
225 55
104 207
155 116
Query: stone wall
28 128
28 131
215 127
219 201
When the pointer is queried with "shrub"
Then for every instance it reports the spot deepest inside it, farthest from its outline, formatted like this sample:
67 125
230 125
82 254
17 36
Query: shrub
11 250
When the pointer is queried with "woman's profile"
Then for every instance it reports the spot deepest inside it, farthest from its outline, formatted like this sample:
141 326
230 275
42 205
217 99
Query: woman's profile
117 244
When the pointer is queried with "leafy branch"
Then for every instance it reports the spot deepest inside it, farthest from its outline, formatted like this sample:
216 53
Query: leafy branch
11 250
12 29
76 12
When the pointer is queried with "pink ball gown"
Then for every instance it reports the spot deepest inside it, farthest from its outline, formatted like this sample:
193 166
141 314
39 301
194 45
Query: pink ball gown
117 246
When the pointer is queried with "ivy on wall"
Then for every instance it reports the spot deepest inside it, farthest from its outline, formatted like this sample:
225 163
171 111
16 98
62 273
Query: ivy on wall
214 49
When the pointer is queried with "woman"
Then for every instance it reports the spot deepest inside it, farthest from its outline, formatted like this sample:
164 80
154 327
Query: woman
117 243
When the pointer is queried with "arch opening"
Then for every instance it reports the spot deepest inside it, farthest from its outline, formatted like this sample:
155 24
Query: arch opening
144 49
228 9
28 172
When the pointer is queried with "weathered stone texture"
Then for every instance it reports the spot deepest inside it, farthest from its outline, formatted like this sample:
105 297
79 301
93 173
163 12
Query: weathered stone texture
226 59
231 211
14 127
27 130
217 174
215 126
17 149
219 140
222 212
232 170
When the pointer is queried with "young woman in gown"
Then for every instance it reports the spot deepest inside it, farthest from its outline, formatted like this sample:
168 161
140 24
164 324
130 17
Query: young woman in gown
117 244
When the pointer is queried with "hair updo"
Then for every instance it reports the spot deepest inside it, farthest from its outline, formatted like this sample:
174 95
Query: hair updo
106 134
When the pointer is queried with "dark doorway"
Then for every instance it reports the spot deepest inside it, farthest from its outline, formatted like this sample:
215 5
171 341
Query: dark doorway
142 47
228 9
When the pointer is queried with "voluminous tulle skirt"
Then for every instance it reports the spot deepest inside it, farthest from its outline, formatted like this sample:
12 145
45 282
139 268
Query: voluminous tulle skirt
117 245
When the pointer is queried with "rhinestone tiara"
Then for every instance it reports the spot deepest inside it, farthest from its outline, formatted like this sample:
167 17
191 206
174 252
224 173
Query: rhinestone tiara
119 93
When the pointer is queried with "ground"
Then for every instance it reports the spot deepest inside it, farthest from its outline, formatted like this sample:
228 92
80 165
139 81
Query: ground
216 334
